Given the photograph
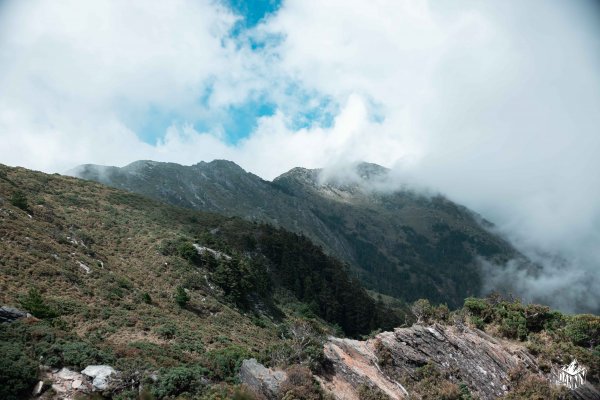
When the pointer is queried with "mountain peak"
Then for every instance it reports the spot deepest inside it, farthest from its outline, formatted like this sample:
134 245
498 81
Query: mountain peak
368 170
219 164
299 174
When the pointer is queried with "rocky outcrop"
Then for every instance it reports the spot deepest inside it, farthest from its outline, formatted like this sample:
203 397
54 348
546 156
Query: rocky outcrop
264 382
391 364
354 365
468 356
69 384
65 383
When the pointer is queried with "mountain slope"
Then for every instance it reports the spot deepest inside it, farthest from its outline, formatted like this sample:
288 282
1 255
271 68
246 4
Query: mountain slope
400 243
175 299
119 278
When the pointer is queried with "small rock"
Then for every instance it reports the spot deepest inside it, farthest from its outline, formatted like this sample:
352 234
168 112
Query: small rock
37 389
67 374
76 384
84 267
58 388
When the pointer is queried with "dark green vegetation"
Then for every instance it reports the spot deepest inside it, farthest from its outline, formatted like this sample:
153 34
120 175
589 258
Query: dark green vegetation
114 278
555 338
400 244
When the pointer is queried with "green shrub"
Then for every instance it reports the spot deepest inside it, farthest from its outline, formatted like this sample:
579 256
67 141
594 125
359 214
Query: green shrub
19 200
479 308
146 298
556 320
181 247
36 305
583 330
300 384
72 354
477 322
432 384
18 371
536 317
180 380
441 313
224 364
181 297
422 309
187 251
81 354
465 393
166 331
514 326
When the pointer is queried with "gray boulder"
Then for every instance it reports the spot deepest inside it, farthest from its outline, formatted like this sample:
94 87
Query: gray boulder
263 381
101 375
11 314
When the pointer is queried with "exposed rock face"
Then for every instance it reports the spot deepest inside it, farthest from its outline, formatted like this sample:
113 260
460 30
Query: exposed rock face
263 381
355 364
471 356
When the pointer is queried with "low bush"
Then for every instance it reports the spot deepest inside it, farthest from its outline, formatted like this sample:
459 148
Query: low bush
300 384
64 353
18 371
431 384
181 297
583 330
177 381
34 303
514 326
19 200
479 308
224 364
423 310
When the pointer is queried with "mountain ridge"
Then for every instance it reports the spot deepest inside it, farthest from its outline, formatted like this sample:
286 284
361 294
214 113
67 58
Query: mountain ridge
400 243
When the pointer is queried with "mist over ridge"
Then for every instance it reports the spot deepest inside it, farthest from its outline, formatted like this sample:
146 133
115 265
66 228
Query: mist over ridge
493 104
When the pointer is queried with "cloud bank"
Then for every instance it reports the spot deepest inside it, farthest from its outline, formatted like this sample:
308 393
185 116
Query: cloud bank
495 104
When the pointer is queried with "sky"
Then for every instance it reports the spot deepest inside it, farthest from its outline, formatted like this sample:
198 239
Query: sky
495 104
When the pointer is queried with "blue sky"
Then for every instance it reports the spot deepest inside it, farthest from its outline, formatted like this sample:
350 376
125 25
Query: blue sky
237 121
253 11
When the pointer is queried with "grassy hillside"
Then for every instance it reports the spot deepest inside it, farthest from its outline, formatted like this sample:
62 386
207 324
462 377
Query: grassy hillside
114 278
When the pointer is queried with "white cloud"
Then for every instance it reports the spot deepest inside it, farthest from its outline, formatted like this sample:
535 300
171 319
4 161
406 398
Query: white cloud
493 103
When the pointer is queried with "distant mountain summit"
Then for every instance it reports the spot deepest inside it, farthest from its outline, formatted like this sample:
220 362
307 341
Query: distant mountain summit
399 242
